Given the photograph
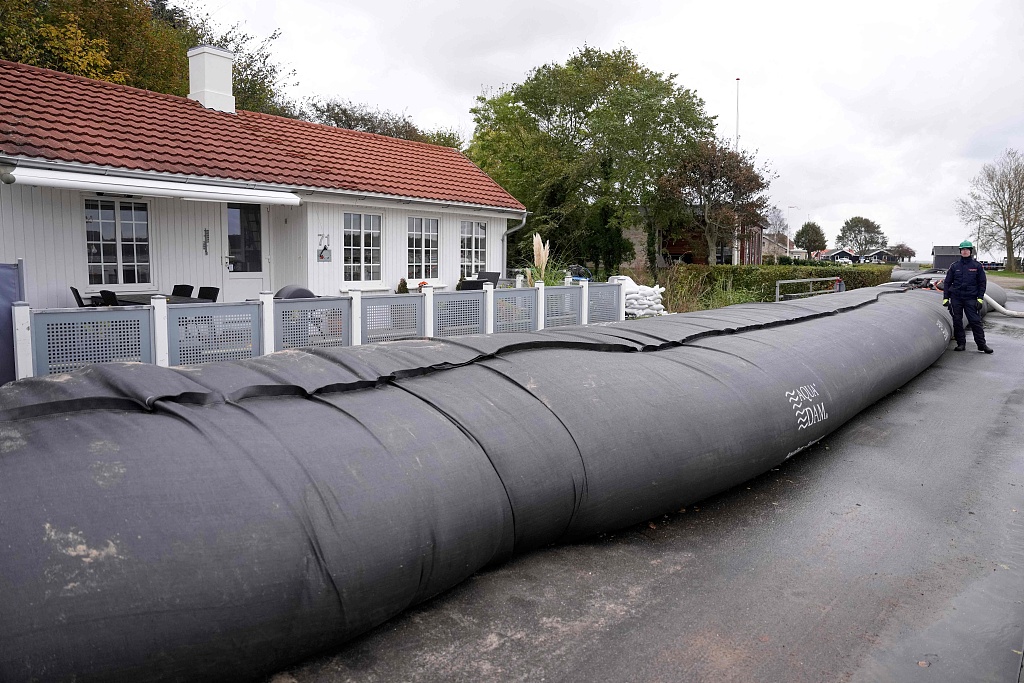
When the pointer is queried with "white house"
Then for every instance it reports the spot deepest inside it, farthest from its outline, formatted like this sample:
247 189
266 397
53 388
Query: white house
116 188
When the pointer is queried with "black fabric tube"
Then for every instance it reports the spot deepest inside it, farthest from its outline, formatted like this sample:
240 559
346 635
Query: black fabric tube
223 521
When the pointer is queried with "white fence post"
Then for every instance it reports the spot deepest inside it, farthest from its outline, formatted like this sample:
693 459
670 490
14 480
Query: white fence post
267 318
488 308
622 300
161 352
567 281
22 315
428 310
540 306
584 302
519 281
356 328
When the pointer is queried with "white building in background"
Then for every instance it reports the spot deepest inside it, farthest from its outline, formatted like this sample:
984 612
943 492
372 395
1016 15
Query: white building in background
107 187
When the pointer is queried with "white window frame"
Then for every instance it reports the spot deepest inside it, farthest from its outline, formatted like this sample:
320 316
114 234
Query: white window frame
473 259
419 267
363 251
120 286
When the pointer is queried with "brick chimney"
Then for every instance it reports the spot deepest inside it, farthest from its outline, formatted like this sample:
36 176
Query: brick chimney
209 77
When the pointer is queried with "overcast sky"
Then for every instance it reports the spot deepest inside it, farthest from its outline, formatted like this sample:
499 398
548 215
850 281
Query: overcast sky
882 108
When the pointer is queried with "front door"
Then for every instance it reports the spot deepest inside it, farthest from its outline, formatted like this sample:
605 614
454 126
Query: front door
246 260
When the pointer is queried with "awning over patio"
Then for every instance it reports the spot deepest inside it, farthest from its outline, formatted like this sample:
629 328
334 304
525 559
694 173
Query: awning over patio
151 187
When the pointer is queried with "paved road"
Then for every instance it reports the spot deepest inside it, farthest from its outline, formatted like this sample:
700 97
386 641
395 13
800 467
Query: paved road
892 552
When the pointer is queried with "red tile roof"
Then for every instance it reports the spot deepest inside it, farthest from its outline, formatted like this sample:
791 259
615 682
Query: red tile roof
55 116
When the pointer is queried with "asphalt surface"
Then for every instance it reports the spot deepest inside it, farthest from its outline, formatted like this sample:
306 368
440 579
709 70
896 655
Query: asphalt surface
893 551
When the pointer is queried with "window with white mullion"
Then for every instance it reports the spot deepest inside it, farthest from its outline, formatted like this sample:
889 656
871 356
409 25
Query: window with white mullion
422 248
117 242
361 247
473 247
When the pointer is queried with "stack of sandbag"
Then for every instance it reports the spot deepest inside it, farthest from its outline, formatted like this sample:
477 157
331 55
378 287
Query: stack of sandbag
641 301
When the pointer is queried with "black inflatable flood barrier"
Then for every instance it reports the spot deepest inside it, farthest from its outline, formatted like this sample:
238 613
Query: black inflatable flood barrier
224 521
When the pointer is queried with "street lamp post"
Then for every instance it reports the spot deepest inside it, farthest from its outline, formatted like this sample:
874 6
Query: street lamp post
789 226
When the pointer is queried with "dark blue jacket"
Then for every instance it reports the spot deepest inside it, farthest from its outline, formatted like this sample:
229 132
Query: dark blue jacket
965 279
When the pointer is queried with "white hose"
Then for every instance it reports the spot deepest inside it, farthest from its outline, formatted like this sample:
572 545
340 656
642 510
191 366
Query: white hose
1000 309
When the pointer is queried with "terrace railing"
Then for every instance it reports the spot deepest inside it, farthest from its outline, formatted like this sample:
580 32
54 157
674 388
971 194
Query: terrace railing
50 341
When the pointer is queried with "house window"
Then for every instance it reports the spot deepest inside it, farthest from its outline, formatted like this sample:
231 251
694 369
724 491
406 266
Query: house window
422 248
473 251
361 247
245 239
117 242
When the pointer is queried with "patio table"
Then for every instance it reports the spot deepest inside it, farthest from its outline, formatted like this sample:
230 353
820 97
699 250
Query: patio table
144 299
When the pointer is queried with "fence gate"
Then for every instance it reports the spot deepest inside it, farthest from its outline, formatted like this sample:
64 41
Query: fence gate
387 317
458 313
321 323
604 303
515 310
200 333
66 339
562 306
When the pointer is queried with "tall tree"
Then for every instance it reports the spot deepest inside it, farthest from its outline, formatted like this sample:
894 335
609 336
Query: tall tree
902 251
994 206
582 145
810 237
720 189
861 234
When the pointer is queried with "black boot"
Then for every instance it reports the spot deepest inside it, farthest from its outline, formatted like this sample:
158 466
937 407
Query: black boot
960 347
985 348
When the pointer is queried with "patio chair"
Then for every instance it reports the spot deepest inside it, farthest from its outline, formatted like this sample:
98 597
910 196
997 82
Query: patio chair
469 285
209 293
108 298
182 290
78 299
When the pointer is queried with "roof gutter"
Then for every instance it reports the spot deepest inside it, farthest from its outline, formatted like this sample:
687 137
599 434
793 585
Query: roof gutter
504 243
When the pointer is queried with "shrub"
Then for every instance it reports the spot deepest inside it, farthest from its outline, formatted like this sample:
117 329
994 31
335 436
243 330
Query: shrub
403 287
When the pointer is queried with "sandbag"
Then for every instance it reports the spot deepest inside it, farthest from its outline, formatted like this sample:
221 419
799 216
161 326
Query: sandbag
224 521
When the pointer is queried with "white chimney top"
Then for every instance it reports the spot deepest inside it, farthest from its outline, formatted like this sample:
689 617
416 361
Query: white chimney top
209 77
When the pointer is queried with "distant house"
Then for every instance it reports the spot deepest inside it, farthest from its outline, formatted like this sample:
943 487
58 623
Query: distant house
879 256
777 244
116 188
836 254
943 257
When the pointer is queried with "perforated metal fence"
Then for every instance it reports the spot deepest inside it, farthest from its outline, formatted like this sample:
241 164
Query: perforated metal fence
388 317
458 313
562 306
604 303
321 323
68 339
515 310
200 333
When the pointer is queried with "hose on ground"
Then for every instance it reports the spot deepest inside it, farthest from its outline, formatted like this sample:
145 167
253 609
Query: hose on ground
993 305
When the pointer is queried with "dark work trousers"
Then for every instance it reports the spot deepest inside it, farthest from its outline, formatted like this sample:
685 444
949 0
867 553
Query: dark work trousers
969 307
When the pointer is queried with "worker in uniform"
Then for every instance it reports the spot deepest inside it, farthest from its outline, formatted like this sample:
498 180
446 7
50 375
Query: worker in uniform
964 289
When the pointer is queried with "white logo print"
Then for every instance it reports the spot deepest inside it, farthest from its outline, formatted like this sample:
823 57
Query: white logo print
813 413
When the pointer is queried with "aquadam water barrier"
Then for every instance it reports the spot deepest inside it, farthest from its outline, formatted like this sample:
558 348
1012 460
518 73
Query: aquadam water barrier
222 522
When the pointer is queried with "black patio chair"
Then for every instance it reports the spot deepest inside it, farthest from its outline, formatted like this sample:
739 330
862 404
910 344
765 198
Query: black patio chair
182 290
208 293
470 285
108 298
78 299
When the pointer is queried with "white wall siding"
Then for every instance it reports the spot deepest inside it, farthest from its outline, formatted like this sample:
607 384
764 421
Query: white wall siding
324 218
37 225
289 246
177 229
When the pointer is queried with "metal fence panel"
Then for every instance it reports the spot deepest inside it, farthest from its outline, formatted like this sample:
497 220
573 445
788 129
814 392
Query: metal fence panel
70 338
388 317
458 313
604 303
200 333
562 306
515 310
322 323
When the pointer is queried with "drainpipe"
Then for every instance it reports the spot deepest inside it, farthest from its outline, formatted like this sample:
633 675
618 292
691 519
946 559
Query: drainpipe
504 243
